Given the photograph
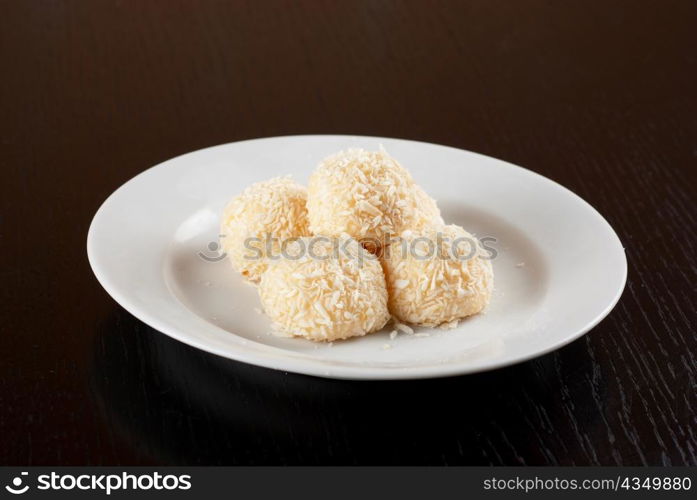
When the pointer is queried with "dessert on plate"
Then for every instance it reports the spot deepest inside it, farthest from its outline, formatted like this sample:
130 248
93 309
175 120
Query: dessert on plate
362 244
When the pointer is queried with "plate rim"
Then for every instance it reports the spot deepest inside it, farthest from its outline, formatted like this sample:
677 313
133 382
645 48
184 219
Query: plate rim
319 369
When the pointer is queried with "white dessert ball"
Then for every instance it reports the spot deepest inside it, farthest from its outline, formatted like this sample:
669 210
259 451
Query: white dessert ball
437 275
325 289
367 195
258 220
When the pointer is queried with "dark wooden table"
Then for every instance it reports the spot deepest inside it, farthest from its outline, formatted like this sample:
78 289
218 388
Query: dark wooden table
600 96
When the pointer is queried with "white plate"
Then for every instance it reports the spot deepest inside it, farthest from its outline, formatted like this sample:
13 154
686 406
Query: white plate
560 267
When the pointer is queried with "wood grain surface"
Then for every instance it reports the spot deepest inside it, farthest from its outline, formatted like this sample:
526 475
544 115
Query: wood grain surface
599 96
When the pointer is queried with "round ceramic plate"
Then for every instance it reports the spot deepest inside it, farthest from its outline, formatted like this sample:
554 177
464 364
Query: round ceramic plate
559 267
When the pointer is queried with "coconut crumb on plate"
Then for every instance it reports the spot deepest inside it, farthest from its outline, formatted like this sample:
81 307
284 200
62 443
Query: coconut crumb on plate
404 328
449 325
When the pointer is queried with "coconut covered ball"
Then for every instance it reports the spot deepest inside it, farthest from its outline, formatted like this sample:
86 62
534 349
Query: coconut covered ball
434 279
325 289
365 194
259 219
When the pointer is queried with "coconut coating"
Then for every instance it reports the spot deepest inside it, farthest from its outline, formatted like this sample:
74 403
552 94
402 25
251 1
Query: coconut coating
325 289
433 280
273 210
426 211
367 195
